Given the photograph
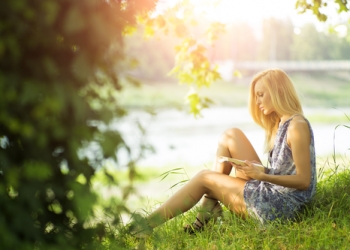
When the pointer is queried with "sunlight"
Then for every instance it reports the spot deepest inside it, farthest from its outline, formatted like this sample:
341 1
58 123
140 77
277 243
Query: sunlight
341 30
297 31
253 12
248 11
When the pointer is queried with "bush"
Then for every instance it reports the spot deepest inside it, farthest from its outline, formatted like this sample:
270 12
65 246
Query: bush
59 70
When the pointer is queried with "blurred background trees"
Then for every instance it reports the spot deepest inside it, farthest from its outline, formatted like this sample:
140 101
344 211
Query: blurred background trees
278 40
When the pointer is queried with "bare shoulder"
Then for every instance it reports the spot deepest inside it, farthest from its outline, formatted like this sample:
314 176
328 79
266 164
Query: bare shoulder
298 128
298 123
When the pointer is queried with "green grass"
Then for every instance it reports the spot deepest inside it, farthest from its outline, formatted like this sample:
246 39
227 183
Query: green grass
324 224
325 118
323 89
315 89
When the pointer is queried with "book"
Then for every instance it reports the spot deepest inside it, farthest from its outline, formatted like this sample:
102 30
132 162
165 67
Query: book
240 162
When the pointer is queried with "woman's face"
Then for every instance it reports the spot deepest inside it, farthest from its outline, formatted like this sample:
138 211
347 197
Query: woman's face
263 98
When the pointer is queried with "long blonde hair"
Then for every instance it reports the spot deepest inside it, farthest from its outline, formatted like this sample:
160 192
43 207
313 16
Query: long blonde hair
284 100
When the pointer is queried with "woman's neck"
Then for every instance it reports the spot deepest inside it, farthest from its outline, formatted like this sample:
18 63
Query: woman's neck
284 118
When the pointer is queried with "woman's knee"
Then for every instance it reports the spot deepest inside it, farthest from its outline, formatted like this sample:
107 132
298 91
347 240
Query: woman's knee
231 134
203 174
203 177
207 179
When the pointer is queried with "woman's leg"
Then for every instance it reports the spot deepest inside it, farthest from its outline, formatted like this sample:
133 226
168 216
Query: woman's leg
233 143
220 186
227 189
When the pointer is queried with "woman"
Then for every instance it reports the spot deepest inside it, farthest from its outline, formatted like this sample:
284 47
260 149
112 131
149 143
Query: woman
280 190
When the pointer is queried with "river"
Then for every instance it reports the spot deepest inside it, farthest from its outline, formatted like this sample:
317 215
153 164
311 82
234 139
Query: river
179 138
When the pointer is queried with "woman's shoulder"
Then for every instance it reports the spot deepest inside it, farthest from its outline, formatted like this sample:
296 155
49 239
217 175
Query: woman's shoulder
298 123
298 120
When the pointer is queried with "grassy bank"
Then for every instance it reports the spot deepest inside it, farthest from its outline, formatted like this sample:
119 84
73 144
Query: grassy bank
324 224
326 90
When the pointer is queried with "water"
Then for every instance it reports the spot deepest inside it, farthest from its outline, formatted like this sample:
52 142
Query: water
179 138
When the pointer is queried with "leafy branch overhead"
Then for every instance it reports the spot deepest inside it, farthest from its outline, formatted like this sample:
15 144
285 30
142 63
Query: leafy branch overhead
192 64
319 7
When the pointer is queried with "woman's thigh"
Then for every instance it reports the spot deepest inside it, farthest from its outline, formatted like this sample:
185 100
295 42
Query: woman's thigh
227 189
234 143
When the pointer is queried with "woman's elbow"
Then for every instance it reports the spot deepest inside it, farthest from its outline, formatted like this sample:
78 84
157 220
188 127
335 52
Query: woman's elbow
304 185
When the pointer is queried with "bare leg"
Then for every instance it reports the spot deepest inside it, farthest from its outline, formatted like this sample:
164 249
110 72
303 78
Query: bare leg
227 189
233 143
215 184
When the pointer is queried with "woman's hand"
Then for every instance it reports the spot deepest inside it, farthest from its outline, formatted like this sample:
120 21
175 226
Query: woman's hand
250 170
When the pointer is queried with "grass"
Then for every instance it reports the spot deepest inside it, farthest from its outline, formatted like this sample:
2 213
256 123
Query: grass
324 224
323 89
326 90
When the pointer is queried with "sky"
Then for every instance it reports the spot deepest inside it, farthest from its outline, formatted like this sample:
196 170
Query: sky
254 11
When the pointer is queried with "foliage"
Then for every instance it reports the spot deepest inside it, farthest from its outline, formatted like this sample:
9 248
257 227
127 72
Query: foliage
65 63
319 7
238 43
61 62
311 44
192 65
154 56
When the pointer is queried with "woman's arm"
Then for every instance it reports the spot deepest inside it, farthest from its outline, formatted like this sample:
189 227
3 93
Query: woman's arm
298 139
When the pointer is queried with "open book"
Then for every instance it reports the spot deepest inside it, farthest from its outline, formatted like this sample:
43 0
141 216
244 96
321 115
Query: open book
240 162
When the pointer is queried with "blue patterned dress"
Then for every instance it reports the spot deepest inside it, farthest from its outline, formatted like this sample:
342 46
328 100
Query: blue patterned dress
267 201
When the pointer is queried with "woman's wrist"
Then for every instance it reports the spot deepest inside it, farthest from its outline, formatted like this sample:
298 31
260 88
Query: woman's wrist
264 177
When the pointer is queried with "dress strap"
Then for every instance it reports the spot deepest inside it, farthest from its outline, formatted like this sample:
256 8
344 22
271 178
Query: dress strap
290 118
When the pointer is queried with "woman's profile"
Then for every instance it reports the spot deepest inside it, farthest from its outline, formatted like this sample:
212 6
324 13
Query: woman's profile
277 191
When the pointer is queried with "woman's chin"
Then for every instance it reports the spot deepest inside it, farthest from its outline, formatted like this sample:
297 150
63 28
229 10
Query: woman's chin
266 112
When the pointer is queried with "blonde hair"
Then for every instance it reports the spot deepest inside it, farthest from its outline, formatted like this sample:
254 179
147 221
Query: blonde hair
284 100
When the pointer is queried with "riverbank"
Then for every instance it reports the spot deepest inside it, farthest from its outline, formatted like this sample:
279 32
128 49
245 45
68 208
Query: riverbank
178 138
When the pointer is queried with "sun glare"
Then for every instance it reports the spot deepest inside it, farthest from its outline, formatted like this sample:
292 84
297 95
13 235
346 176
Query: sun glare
253 12
249 11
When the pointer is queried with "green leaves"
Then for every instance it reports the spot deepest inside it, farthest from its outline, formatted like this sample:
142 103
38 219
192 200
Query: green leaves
36 170
197 103
60 76
318 7
342 5
315 6
192 64
193 68
74 21
51 8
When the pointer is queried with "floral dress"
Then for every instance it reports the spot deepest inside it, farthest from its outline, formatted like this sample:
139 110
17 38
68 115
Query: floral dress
267 201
